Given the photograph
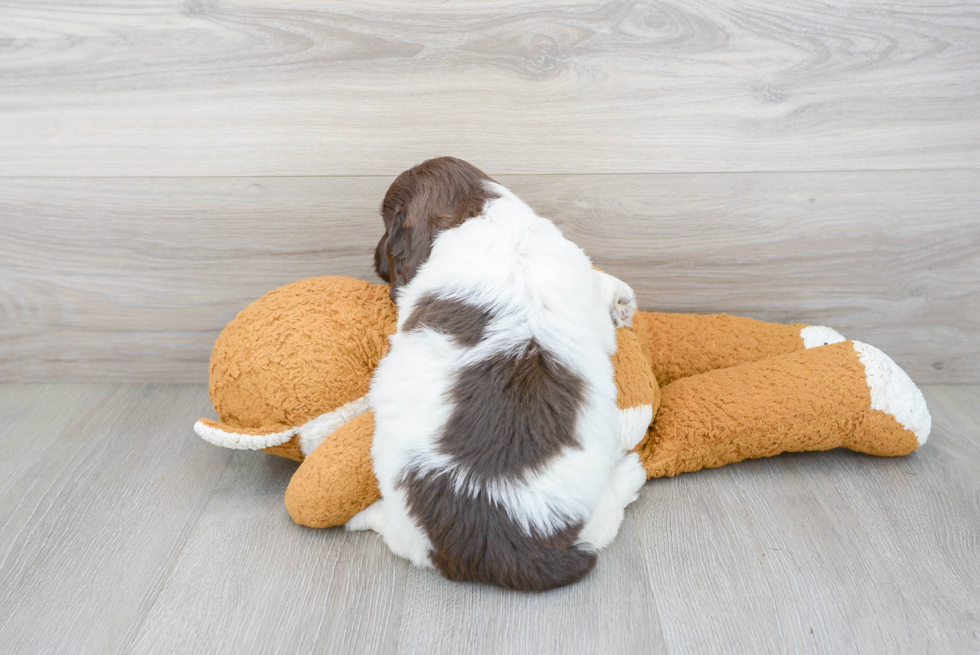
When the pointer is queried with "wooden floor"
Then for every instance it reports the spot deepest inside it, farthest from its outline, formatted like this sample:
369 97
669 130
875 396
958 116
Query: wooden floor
122 532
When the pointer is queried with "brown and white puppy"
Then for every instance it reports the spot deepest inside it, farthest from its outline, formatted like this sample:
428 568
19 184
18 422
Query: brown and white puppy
495 446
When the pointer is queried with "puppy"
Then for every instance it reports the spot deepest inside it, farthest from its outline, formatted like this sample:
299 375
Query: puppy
495 444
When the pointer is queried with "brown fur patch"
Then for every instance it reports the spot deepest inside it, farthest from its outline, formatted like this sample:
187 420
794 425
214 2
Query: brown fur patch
475 540
436 195
512 413
463 321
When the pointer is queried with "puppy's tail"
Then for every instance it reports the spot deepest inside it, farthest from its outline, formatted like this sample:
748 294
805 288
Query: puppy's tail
474 539
524 564
547 567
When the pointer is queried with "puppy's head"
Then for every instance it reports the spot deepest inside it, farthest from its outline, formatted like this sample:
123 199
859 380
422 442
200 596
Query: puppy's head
422 202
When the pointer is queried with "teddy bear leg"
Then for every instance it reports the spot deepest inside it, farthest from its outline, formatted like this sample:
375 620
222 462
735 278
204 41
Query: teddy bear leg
841 395
637 392
681 345
336 480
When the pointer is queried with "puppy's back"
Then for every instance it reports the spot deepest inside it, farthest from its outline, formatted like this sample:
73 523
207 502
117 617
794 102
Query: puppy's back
514 413
503 486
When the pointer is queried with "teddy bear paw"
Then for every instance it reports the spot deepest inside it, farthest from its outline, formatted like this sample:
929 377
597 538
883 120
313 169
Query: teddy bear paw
893 392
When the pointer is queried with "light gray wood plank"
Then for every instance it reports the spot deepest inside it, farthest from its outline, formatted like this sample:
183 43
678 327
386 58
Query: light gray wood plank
956 419
823 552
749 559
612 610
35 416
120 536
892 259
921 515
94 526
251 581
133 279
248 87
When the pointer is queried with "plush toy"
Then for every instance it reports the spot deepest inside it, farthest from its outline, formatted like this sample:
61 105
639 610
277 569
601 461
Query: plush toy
290 373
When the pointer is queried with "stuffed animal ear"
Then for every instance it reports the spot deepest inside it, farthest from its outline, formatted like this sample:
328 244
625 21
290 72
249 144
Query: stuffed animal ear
276 438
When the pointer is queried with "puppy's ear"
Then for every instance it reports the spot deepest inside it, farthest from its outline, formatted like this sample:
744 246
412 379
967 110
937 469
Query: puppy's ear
409 245
381 259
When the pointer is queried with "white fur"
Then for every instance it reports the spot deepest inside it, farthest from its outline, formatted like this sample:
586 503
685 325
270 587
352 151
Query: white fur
622 489
633 424
543 287
893 392
313 432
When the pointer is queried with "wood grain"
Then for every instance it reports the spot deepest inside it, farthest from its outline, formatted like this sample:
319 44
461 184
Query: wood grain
132 279
124 534
30 425
824 552
251 580
97 517
749 559
920 515
246 87
165 163
614 612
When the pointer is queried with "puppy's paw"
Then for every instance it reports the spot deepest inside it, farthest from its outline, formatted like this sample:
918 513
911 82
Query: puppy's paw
370 518
628 478
624 308
622 300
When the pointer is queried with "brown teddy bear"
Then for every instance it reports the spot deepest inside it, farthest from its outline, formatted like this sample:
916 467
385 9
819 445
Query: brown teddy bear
290 373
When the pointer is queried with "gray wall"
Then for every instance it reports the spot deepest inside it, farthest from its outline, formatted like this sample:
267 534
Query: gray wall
165 163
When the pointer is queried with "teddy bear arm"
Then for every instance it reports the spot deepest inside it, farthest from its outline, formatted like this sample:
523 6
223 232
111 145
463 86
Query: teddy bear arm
336 480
